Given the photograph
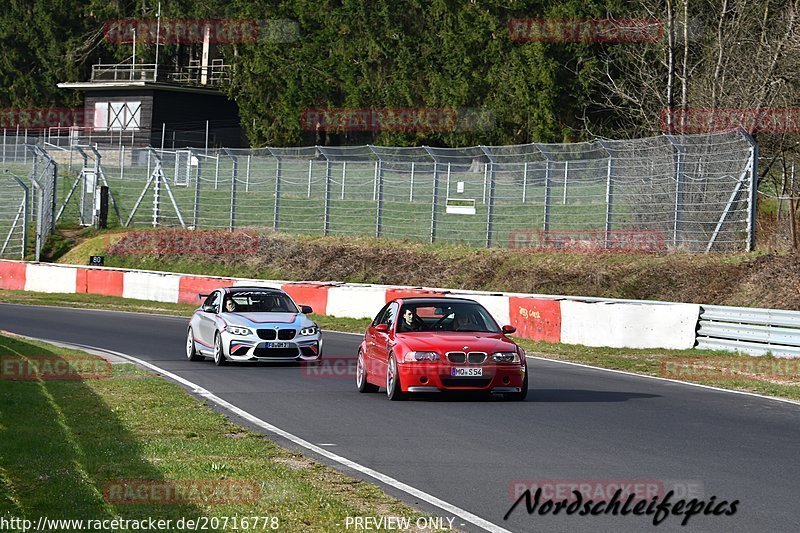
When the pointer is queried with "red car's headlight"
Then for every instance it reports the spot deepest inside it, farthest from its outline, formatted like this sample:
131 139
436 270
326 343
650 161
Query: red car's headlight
506 357
414 357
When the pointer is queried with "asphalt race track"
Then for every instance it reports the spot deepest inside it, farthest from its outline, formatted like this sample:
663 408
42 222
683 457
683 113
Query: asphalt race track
578 424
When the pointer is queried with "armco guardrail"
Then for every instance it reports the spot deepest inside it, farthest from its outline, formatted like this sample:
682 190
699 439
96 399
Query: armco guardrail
752 331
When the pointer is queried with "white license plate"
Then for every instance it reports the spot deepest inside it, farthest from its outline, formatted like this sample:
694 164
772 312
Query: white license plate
279 345
468 372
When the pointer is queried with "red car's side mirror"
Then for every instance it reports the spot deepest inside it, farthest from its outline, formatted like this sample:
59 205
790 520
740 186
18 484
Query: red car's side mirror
382 328
507 330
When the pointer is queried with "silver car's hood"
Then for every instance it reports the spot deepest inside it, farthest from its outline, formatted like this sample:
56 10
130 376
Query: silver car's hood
260 320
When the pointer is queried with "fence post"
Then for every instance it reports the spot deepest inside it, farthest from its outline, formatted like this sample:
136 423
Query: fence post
216 172
678 189
485 172
276 213
566 178
344 176
327 220
524 181
25 222
609 201
435 199
157 199
547 186
379 214
447 190
490 207
310 173
4 146
411 191
197 180
753 192
39 222
247 175
375 183
234 173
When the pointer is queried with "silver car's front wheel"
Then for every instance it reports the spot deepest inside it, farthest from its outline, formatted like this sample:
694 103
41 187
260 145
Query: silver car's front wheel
191 350
219 356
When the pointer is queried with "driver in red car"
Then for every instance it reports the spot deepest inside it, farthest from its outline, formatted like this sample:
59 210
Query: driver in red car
410 322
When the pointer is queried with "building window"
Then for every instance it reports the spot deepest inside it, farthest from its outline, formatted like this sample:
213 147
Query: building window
117 116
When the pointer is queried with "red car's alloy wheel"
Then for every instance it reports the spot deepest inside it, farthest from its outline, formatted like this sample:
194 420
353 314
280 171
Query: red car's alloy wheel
393 390
361 376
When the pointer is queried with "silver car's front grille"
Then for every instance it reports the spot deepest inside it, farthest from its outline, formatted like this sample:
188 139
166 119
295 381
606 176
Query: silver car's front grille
267 334
280 334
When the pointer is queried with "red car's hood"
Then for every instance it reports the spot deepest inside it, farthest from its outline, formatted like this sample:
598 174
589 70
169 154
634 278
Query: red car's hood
450 341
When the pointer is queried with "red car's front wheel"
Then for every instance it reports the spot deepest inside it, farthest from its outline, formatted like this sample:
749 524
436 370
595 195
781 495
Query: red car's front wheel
393 389
361 376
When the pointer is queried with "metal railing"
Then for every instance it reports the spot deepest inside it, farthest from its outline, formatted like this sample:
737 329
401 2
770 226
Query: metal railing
752 331
194 74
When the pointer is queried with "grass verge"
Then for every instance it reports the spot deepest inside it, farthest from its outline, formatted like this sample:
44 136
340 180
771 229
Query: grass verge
763 375
66 446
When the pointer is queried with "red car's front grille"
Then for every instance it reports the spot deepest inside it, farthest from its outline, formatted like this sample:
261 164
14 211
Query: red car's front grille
459 358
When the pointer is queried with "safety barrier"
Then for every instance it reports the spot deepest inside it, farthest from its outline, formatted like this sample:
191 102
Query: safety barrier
568 319
753 331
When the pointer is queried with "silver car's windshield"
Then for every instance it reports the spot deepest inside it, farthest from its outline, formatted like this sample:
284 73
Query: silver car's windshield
259 302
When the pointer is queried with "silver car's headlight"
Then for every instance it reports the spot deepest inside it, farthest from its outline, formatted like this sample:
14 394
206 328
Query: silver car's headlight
506 357
309 331
238 330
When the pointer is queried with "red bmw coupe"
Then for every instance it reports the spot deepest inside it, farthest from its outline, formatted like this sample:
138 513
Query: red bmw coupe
439 344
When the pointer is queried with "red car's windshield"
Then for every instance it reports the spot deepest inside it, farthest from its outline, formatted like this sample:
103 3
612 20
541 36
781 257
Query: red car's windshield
458 316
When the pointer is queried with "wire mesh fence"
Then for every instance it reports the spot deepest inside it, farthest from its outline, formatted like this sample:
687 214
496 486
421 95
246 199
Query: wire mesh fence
689 192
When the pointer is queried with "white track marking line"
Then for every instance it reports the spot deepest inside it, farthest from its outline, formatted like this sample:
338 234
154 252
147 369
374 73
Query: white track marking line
689 383
383 478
